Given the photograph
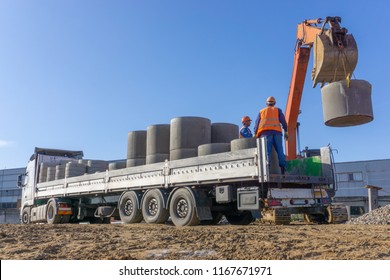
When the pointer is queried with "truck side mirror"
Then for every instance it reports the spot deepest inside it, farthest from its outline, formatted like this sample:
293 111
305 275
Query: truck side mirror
20 180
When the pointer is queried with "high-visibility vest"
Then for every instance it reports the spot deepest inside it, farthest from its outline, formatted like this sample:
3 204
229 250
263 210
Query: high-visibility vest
269 120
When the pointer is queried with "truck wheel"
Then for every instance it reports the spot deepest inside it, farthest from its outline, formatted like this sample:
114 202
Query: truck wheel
51 213
26 216
129 211
243 218
182 208
153 209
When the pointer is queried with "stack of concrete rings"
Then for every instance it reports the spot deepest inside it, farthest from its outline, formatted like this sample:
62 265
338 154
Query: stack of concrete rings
221 136
136 148
186 135
157 143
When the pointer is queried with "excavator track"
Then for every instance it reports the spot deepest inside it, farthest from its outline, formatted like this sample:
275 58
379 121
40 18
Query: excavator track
278 216
333 214
315 218
337 214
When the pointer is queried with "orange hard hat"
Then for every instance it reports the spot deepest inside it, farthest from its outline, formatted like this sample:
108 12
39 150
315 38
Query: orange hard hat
245 119
271 100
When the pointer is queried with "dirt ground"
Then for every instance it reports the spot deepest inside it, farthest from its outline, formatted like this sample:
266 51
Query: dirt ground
167 242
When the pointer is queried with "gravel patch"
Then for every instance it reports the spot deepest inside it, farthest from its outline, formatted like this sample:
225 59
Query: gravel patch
380 216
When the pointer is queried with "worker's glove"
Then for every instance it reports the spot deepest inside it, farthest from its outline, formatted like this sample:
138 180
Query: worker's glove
286 135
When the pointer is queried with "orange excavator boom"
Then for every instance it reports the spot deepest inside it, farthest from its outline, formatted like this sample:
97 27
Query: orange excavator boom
335 58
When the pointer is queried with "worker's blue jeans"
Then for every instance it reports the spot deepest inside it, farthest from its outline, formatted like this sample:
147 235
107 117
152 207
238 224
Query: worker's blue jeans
276 141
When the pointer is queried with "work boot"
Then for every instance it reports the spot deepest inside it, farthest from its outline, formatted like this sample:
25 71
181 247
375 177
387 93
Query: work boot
282 169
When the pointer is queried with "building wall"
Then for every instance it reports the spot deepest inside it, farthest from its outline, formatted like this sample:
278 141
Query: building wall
10 195
9 191
9 216
352 177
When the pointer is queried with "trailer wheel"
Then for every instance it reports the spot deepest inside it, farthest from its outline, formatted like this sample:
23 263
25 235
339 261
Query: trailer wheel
182 208
153 209
243 218
26 216
51 213
129 210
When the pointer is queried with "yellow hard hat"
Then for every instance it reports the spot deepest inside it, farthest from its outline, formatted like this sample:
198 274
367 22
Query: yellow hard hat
271 100
245 119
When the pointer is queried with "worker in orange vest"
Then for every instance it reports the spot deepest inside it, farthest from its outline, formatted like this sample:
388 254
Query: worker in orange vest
245 131
268 125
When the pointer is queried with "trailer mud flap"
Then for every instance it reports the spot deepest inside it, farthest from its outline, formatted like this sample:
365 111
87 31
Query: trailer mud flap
203 204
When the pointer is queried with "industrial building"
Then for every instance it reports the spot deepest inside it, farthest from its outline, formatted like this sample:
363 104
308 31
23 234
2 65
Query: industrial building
10 195
352 181
353 178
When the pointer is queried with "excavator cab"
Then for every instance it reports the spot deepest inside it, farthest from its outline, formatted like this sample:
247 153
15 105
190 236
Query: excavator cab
335 53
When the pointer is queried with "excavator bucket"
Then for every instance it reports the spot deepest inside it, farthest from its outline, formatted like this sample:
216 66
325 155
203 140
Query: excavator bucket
332 61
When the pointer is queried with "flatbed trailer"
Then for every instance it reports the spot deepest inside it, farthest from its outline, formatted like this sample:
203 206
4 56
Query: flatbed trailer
239 185
191 191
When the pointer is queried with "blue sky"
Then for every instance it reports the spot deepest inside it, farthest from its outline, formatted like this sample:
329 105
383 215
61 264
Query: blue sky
80 75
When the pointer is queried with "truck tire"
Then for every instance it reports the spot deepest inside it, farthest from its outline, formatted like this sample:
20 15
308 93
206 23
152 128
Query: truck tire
153 209
182 208
51 213
26 216
129 210
243 218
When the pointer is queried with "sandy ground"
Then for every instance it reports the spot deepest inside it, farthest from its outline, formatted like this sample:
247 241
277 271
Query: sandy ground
226 242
